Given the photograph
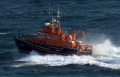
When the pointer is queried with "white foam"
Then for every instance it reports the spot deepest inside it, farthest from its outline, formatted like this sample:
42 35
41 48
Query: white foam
105 48
2 33
104 55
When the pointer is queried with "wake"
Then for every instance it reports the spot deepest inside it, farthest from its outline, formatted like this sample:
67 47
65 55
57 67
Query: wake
104 55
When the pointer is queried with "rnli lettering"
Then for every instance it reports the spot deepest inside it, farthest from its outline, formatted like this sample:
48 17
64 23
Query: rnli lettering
54 37
39 34
43 35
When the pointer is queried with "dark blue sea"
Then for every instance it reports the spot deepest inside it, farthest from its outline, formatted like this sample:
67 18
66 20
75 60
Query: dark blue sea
99 19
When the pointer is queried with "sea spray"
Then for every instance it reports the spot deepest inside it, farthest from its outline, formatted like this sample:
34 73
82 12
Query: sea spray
105 48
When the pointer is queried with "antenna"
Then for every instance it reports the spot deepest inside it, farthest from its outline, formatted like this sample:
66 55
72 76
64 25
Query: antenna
58 16
50 13
58 13
52 16
49 9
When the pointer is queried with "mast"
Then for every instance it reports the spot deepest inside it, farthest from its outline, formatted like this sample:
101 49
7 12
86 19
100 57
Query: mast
53 21
58 17
49 9
50 12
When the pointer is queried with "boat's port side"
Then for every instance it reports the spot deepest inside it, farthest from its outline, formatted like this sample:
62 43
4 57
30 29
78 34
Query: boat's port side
25 46
53 40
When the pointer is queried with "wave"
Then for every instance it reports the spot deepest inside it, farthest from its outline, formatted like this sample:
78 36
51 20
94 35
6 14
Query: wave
104 55
3 33
106 48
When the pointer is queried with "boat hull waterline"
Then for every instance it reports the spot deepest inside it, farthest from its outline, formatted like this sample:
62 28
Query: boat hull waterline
25 46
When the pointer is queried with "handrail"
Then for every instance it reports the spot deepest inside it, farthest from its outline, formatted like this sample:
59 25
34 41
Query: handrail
78 31
60 49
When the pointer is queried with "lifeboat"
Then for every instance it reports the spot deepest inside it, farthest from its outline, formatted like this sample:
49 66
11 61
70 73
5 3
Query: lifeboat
53 40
